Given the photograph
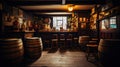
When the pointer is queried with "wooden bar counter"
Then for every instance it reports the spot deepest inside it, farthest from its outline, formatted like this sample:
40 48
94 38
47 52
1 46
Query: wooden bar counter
44 33
21 34
46 36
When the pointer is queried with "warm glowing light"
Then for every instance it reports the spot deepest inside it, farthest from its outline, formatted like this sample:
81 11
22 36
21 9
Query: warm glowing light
58 13
70 8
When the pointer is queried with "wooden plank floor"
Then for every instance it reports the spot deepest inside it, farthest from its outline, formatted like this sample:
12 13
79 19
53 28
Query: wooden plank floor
63 58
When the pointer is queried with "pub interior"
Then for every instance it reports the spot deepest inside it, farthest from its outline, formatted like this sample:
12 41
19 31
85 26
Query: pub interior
60 33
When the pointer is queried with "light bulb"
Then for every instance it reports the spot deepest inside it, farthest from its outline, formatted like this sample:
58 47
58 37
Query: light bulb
70 8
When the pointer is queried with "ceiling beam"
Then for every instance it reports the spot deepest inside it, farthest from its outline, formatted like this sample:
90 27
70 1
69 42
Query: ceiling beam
43 11
32 2
51 2
85 2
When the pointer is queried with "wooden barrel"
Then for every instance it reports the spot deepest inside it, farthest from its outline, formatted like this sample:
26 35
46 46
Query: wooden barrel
83 40
11 51
109 52
33 47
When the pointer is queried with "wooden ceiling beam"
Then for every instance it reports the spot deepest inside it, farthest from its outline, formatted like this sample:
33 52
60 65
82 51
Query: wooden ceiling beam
27 3
43 11
84 2
51 2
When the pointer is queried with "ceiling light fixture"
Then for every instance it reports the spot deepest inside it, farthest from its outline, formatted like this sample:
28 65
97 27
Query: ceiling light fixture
70 7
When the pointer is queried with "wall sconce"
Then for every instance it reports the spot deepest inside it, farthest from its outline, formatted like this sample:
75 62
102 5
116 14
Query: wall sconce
70 7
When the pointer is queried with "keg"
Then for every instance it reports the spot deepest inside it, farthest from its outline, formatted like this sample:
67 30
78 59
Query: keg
83 40
33 47
109 52
11 51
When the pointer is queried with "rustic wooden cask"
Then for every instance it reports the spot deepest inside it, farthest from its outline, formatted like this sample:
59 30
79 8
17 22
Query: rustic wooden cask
83 40
11 51
109 52
33 47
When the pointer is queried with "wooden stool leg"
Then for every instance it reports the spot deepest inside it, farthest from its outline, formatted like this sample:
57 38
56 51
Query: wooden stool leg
87 53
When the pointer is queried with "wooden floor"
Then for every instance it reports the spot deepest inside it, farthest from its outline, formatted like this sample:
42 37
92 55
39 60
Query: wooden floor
73 57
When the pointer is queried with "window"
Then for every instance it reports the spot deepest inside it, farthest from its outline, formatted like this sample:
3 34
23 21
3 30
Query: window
113 22
60 22
103 24
109 23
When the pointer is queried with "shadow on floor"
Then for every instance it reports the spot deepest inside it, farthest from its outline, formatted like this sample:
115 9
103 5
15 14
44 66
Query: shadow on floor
62 50
52 50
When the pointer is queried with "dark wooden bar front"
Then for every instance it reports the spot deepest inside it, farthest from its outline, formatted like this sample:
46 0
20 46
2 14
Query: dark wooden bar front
46 36
110 34
36 34
42 34
16 34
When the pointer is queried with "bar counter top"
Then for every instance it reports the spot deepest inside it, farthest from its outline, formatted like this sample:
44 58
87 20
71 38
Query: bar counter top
38 31
34 33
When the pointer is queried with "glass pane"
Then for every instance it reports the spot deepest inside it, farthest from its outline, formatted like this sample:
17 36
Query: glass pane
60 22
103 25
113 22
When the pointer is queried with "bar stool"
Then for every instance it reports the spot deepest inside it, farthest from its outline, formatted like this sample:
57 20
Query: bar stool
62 41
46 41
54 40
69 40
75 41
92 49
